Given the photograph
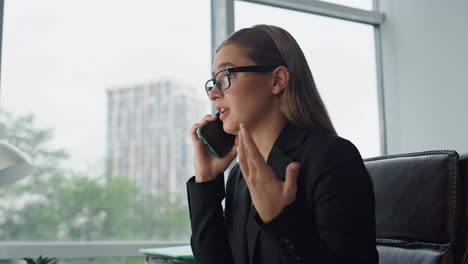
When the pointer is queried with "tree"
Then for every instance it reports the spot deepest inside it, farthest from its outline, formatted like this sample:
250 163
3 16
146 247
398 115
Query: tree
27 209
59 204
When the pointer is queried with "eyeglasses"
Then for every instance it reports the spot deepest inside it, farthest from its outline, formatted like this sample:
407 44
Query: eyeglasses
222 79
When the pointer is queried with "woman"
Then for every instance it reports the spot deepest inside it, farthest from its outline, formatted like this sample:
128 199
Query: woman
299 193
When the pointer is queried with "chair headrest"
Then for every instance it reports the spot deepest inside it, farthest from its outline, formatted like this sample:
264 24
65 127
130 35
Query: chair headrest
416 197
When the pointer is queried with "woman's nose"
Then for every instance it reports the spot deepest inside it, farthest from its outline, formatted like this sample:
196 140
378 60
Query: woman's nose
215 93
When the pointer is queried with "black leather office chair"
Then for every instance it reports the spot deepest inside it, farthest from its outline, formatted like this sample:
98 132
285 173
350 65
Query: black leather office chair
462 234
421 207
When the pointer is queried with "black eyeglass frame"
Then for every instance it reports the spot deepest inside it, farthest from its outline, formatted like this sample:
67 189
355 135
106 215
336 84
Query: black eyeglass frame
253 68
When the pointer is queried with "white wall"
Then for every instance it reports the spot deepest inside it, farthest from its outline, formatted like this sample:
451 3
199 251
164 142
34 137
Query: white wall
425 67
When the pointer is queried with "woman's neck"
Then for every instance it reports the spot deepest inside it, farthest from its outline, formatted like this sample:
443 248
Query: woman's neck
266 132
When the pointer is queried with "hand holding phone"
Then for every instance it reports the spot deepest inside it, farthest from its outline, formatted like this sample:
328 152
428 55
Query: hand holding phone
207 166
215 138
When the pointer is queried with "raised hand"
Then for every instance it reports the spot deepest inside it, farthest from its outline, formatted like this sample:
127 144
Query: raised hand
269 195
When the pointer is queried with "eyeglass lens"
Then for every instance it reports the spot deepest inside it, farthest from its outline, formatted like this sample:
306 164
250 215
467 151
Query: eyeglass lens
222 82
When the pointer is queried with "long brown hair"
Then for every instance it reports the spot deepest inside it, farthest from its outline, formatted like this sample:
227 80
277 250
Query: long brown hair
270 45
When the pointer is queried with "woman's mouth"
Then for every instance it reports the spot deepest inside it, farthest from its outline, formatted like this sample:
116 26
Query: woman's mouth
223 112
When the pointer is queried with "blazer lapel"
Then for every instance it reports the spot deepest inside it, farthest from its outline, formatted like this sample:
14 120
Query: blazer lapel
282 153
284 150
242 206
278 161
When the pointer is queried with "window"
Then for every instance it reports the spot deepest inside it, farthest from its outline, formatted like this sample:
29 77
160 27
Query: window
93 91
341 56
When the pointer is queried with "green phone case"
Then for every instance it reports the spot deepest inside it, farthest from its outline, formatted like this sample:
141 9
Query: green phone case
209 146
218 155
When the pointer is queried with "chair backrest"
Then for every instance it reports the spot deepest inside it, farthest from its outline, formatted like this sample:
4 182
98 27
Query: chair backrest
461 255
420 212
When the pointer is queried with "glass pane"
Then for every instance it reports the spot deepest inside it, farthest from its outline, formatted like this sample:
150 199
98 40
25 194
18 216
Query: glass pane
101 95
342 59
362 4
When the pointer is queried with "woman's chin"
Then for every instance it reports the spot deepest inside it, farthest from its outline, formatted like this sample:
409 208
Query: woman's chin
229 129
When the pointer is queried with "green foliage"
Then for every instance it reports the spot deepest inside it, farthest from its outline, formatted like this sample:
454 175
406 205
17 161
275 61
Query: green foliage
41 260
21 132
59 204
11 261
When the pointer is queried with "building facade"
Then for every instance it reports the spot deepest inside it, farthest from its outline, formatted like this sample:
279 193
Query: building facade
148 138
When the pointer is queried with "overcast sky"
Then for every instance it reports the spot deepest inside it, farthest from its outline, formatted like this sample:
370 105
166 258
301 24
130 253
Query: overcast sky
59 58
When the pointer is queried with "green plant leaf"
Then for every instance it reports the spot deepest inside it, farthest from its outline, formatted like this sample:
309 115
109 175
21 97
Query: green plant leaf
29 260
41 260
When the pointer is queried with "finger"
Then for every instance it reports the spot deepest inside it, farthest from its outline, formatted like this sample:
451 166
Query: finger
290 183
248 159
196 126
193 131
207 118
242 159
252 153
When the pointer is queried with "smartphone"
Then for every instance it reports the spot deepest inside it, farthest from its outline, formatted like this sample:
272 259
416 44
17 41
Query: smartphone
217 141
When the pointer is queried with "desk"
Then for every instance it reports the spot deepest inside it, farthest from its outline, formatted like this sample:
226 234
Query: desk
166 255
162 260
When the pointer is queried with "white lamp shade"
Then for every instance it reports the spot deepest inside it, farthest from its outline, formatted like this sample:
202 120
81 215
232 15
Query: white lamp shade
14 164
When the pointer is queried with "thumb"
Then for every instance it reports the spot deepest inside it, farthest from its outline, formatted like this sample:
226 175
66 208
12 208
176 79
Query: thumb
292 171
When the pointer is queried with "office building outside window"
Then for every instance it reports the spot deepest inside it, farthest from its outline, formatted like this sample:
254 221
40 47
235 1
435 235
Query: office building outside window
154 145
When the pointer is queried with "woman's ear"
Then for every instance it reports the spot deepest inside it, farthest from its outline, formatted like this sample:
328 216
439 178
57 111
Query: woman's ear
281 79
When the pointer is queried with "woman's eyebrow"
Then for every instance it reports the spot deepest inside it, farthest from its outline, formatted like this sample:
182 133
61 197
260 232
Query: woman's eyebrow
224 65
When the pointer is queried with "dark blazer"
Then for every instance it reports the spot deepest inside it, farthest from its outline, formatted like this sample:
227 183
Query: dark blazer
332 219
